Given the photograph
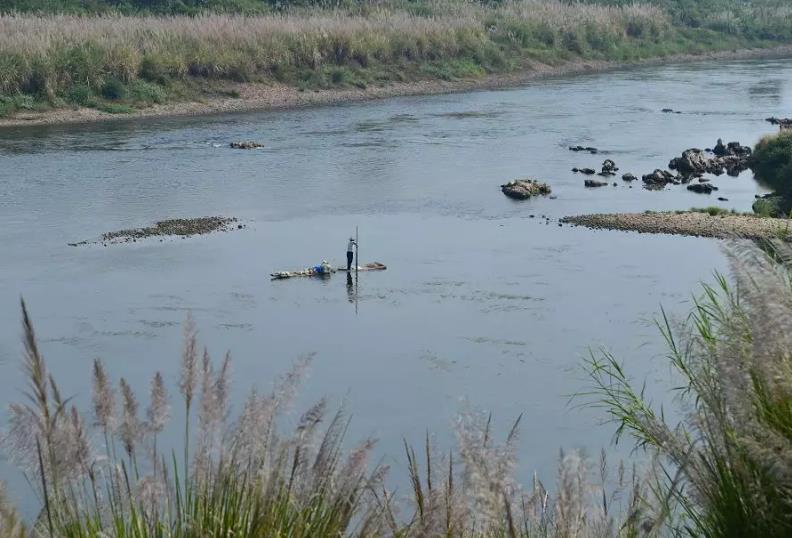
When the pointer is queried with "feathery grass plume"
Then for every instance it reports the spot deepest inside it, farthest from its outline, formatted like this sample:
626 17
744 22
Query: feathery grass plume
36 371
729 459
222 387
487 468
187 380
212 411
78 451
10 524
570 516
300 483
157 415
189 373
158 411
103 398
206 418
129 430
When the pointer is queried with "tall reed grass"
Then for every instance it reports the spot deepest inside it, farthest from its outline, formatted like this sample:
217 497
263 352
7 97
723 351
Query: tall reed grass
88 60
242 474
728 463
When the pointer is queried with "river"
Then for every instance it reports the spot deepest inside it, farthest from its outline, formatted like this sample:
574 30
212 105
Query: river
481 305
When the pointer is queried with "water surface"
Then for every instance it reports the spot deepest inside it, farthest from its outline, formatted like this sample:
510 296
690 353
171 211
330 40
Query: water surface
480 302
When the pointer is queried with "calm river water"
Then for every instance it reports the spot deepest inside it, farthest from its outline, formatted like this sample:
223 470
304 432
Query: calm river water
480 303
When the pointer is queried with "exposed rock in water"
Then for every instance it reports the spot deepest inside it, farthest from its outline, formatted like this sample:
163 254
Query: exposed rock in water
587 171
629 177
731 158
722 199
172 227
248 144
670 111
584 148
608 168
594 183
659 178
702 188
692 162
783 123
521 189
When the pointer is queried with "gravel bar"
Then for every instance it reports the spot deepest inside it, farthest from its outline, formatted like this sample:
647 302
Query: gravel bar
687 223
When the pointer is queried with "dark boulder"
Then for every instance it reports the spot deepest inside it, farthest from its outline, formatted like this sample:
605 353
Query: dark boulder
719 149
609 168
692 162
783 123
249 144
702 188
522 189
629 177
594 183
659 177
589 149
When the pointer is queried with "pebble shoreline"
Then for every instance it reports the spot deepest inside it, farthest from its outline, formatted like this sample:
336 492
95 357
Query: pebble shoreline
687 223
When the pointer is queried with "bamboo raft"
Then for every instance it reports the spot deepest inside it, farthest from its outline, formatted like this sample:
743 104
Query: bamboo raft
311 271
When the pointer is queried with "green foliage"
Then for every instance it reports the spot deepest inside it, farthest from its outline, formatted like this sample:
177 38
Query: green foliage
773 206
727 473
140 91
15 103
80 94
772 162
144 61
714 211
114 90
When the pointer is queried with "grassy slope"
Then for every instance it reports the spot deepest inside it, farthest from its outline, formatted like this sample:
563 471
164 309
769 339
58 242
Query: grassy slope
115 62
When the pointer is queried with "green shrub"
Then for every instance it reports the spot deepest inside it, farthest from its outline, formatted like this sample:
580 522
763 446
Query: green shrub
714 210
773 206
114 89
146 92
6 107
80 94
772 162
14 103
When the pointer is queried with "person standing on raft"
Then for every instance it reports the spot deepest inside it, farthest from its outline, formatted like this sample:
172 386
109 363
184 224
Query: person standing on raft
350 253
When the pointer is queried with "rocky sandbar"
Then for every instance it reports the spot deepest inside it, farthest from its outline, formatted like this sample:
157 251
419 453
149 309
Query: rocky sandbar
691 223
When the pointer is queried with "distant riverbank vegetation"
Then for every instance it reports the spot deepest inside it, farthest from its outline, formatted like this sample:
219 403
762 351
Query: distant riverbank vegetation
115 56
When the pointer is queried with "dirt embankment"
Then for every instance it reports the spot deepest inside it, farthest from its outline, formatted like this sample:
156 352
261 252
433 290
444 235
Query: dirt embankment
259 96
724 226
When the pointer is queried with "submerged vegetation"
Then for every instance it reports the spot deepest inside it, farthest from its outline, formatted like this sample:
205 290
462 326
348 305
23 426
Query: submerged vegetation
115 62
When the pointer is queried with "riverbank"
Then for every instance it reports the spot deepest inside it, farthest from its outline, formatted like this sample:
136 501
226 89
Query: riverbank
689 223
278 96
64 68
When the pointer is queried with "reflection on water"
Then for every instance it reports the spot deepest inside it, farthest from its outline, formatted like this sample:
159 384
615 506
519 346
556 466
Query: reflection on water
479 302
